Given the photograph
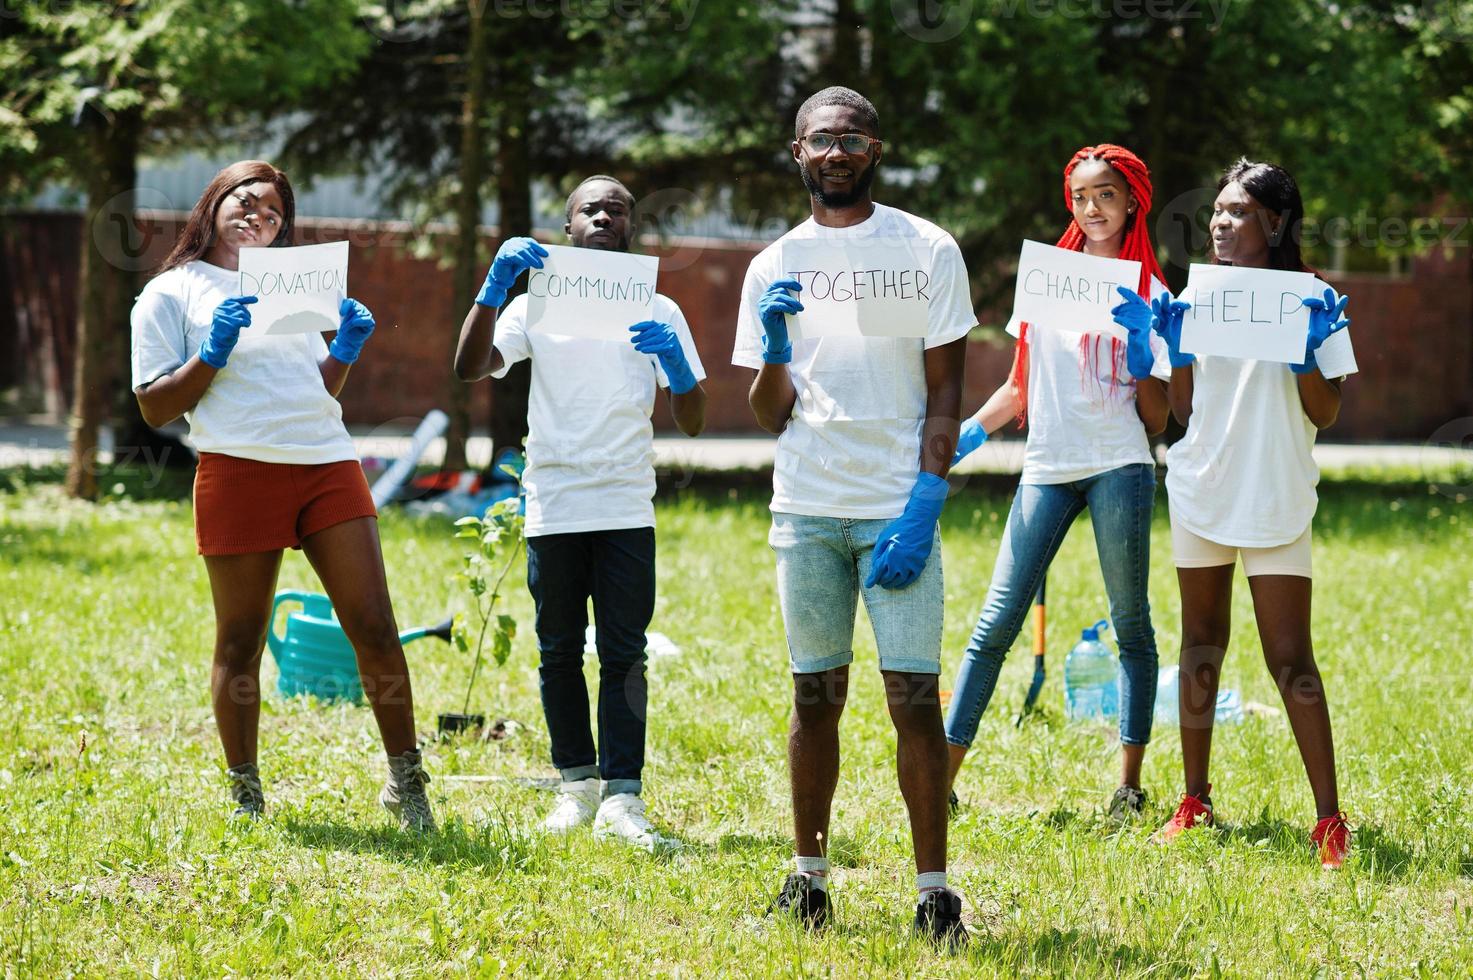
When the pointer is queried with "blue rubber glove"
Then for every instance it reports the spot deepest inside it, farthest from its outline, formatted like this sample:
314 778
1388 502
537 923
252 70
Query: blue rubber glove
231 317
1135 316
772 310
514 257
355 323
1324 320
1167 315
972 436
660 339
905 543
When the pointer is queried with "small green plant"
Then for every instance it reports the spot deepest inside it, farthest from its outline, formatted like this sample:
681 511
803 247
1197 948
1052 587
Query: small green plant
498 537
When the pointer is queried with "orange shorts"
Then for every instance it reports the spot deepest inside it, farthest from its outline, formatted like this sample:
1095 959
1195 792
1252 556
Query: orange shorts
242 505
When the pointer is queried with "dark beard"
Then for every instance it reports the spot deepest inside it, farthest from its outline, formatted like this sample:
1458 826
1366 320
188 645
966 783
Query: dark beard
844 200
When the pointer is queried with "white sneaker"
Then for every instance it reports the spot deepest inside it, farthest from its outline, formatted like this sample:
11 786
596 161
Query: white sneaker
575 806
622 816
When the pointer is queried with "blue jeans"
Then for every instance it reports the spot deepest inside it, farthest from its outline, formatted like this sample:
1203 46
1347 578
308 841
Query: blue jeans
617 570
1119 502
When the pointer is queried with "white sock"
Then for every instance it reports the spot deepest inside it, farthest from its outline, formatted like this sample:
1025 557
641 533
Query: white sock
816 869
930 881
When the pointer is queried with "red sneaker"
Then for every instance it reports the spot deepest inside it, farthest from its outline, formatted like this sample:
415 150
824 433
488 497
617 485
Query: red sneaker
1332 836
1192 812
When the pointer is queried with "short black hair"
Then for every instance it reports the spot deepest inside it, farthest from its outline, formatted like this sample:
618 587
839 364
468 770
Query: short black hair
837 95
1275 188
596 178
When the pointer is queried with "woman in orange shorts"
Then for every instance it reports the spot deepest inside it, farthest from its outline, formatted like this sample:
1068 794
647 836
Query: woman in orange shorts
277 469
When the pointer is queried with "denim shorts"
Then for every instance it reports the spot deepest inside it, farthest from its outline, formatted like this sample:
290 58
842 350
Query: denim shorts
822 563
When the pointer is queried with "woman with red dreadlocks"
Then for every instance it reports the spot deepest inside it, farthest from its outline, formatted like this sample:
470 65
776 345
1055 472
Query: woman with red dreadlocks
1262 416
1091 402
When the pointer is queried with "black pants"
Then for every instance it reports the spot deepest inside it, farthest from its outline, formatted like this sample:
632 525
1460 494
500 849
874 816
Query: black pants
617 570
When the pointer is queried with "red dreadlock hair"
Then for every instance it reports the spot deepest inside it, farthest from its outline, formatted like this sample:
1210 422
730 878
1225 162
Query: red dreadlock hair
1136 247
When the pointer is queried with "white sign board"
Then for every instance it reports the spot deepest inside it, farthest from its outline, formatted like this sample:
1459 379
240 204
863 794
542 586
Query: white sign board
298 289
1251 314
1068 290
874 287
591 292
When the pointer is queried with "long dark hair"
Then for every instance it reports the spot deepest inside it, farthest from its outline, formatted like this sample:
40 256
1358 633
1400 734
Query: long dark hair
199 231
1275 188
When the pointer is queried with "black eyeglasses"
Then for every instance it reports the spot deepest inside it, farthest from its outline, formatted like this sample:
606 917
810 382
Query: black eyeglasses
851 142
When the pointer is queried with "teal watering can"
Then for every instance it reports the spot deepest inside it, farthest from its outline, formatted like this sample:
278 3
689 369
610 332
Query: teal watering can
314 655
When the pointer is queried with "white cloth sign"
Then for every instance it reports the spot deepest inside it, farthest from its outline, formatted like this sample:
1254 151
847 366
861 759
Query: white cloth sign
298 289
1250 314
1069 290
862 287
590 292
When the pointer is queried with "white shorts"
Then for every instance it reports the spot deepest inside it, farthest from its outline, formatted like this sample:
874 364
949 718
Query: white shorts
1191 550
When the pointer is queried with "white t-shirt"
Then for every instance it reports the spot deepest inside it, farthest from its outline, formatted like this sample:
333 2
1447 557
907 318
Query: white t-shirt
590 443
853 446
1243 475
268 403
1081 404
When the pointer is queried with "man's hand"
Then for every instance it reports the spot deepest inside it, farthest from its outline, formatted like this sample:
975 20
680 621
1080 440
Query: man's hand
660 339
773 309
515 257
905 544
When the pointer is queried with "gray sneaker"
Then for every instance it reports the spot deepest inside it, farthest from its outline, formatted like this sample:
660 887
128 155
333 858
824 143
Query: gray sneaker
404 794
1127 804
245 788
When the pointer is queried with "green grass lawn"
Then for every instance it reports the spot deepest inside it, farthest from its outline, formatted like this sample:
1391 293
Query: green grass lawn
116 854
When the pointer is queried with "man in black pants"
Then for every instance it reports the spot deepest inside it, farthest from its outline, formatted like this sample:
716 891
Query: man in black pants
589 482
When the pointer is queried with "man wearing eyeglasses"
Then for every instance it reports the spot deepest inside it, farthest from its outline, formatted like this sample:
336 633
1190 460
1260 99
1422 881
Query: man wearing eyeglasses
867 426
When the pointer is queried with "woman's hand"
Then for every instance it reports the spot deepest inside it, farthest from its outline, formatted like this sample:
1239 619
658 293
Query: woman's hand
972 436
1136 317
355 324
231 317
1324 320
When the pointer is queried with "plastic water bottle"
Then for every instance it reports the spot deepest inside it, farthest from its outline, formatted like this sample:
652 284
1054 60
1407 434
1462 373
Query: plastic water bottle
1091 679
1227 711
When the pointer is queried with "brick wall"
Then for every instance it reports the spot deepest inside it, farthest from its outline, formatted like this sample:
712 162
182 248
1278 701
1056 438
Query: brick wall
1414 336
1414 344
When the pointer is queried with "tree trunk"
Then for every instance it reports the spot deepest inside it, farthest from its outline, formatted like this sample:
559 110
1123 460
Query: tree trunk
11 374
107 291
845 57
467 220
514 195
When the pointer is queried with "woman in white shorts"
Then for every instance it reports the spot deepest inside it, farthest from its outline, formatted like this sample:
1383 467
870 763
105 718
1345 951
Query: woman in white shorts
1242 482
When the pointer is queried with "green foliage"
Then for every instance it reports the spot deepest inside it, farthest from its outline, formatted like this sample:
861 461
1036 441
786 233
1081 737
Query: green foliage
600 85
192 73
498 537
980 123
1366 105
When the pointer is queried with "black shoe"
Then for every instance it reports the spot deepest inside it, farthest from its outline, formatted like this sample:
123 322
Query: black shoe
1127 804
939 918
800 899
245 789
